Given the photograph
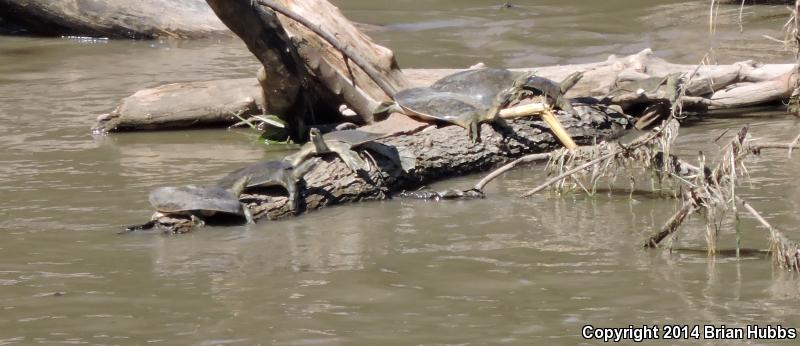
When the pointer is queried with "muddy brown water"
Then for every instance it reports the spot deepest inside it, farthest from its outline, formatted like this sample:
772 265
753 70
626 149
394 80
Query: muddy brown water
497 271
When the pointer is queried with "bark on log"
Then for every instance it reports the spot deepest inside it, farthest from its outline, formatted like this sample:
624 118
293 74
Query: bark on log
140 19
181 105
440 153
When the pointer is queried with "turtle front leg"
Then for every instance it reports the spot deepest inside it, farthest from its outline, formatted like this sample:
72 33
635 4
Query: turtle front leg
248 216
474 128
350 157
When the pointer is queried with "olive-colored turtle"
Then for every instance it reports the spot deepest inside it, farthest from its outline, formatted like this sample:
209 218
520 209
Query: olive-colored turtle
469 98
343 144
650 98
200 201
269 174
553 92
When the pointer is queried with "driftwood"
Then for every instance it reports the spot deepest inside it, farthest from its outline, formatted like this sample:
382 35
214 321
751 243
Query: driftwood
440 153
282 77
315 60
327 62
139 19
736 85
304 70
177 105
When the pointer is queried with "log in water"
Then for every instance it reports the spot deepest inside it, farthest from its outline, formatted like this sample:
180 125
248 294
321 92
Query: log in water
140 19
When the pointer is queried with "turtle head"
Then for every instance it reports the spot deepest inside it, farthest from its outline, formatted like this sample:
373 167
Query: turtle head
522 80
386 108
239 185
315 136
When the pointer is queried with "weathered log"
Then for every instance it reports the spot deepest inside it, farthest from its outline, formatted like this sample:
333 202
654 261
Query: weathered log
736 85
283 75
440 153
329 18
749 94
599 78
140 19
317 69
178 105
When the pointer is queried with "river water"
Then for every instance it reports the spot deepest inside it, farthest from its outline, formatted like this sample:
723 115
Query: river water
500 270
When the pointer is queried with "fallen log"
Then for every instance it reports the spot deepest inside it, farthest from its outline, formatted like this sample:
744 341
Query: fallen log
600 77
140 19
180 105
737 85
439 153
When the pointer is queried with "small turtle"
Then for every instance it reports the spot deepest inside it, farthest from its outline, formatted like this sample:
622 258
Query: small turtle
552 91
341 143
269 174
469 98
650 98
202 202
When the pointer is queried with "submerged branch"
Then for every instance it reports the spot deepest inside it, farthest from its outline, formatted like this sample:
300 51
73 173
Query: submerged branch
496 173
672 225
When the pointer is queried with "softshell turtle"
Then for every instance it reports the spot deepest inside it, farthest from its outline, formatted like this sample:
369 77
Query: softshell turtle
471 97
652 97
341 143
200 201
269 174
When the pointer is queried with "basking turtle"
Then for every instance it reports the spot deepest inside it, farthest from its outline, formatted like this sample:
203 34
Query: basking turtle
269 174
651 98
200 201
552 91
469 98
343 144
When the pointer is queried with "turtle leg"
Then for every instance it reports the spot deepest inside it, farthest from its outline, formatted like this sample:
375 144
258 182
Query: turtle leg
405 162
565 104
294 197
474 127
247 214
350 157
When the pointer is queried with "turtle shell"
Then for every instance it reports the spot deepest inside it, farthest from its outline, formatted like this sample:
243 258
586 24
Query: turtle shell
431 104
262 174
353 137
463 95
205 200
482 85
